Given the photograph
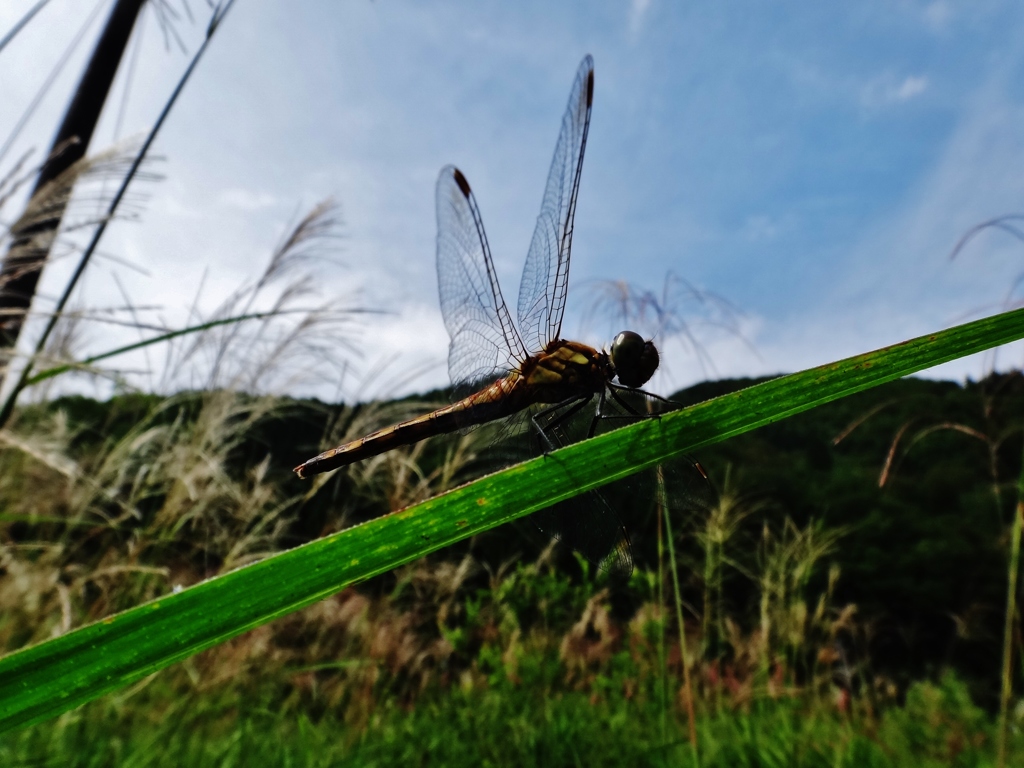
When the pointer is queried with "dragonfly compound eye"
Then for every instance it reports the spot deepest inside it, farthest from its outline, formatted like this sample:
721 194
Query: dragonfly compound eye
634 359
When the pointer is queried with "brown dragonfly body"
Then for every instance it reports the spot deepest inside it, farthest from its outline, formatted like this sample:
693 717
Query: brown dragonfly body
530 365
563 371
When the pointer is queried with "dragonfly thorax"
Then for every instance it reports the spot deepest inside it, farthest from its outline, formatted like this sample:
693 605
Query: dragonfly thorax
564 370
633 359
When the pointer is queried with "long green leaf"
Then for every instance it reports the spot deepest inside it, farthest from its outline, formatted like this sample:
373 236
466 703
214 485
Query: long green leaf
56 370
42 681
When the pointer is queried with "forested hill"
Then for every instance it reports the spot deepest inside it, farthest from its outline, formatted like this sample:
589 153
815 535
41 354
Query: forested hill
924 556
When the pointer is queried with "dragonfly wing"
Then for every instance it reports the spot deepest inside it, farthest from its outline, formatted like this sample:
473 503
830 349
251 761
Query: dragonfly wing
598 524
587 523
484 341
546 273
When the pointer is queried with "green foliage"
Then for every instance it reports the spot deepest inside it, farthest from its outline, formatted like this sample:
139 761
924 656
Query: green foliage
940 725
922 556
507 725
191 490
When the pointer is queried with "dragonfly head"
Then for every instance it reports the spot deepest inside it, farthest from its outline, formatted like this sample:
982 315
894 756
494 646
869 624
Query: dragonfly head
634 359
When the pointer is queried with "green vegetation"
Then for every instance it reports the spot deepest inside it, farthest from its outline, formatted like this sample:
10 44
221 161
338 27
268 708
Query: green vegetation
850 599
800 647
77 666
507 725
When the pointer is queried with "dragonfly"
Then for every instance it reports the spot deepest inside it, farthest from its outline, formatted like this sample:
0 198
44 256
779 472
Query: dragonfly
505 370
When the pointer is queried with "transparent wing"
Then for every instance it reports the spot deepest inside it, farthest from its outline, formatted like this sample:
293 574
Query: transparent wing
546 274
607 526
484 341
587 523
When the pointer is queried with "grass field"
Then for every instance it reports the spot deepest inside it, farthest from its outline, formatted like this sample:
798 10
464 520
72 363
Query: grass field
505 724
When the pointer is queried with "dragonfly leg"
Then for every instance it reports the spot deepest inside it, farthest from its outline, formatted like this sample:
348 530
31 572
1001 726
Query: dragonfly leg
613 388
630 412
599 414
624 405
573 409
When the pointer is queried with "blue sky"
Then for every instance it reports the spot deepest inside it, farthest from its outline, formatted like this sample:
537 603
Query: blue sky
812 163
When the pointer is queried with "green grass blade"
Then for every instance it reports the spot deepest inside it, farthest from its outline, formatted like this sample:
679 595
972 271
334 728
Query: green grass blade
56 370
44 680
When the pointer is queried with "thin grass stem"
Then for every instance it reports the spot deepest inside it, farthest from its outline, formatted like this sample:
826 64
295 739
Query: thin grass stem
662 627
1011 608
684 656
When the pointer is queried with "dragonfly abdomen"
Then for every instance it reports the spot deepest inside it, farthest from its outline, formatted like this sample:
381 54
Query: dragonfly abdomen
491 403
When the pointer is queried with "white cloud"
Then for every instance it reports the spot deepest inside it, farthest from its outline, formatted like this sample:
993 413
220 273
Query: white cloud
887 89
410 354
637 13
913 288
375 100
910 87
247 199
760 227
938 14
